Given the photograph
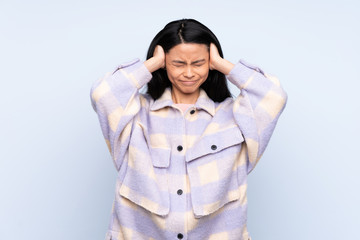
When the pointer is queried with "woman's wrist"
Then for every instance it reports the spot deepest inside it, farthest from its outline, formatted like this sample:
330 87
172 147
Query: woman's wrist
153 64
224 66
157 60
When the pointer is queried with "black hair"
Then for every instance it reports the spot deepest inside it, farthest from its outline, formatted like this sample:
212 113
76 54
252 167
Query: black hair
186 31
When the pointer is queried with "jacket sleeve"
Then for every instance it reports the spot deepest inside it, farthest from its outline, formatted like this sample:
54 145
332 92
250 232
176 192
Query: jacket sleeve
257 108
116 100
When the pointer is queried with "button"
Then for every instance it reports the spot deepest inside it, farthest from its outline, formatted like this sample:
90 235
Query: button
213 147
179 148
192 111
179 192
180 236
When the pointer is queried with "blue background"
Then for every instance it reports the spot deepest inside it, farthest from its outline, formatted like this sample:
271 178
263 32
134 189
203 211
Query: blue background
57 179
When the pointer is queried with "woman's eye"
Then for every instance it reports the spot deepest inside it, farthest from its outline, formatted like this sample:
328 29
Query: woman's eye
178 64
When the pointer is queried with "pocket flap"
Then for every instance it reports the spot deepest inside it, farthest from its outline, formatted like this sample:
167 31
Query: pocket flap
215 142
160 157
158 203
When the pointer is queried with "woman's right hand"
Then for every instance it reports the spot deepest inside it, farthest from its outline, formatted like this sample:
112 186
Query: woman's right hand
157 61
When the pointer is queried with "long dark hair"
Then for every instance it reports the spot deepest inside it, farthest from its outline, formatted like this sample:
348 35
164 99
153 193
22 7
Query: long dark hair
186 31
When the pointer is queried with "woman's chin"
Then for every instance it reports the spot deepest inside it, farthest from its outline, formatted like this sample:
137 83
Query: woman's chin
189 89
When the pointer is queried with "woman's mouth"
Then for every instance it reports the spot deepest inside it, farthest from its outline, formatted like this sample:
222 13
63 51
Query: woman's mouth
188 83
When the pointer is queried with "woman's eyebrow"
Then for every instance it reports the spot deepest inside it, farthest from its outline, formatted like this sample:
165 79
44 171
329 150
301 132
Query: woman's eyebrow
178 61
198 61
183 62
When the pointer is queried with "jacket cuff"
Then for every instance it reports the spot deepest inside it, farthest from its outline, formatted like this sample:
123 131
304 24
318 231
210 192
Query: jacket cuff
241 72
137 71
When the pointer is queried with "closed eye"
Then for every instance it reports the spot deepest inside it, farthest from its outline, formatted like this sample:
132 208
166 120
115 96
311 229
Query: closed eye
197 63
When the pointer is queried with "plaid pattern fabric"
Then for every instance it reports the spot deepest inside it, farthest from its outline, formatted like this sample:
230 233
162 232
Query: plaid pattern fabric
183 175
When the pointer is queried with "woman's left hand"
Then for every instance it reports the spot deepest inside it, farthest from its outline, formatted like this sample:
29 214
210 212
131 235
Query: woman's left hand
217 62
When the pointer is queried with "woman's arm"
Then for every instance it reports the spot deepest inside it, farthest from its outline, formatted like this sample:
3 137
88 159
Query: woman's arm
116 100
258 106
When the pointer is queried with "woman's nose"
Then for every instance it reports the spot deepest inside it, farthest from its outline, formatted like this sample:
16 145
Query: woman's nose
189 72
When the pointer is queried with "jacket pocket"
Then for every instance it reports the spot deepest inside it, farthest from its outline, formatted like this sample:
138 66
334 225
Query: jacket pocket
145 181
212 165
215 142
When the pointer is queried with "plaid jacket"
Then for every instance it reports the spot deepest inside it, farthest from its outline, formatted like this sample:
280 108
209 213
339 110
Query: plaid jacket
182 173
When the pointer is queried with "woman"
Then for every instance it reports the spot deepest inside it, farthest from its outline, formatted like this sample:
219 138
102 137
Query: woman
183 150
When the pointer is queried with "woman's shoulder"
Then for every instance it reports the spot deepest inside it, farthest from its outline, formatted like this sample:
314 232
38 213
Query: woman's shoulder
145 100
226 103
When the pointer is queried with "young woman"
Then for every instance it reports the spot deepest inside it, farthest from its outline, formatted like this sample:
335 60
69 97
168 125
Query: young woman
183 150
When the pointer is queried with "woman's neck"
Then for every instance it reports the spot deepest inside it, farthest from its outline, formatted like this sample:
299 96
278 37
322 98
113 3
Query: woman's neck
179 97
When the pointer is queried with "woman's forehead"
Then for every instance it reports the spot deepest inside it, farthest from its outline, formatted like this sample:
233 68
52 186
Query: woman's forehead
188 51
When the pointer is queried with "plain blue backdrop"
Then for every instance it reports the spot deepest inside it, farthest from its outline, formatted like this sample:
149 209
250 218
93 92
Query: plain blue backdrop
57 179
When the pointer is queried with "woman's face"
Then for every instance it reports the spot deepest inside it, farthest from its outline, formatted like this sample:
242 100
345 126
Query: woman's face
187 66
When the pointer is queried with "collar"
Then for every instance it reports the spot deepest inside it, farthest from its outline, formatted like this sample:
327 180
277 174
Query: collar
203 102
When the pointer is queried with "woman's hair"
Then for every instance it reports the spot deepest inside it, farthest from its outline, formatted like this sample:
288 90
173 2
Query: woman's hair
186 31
